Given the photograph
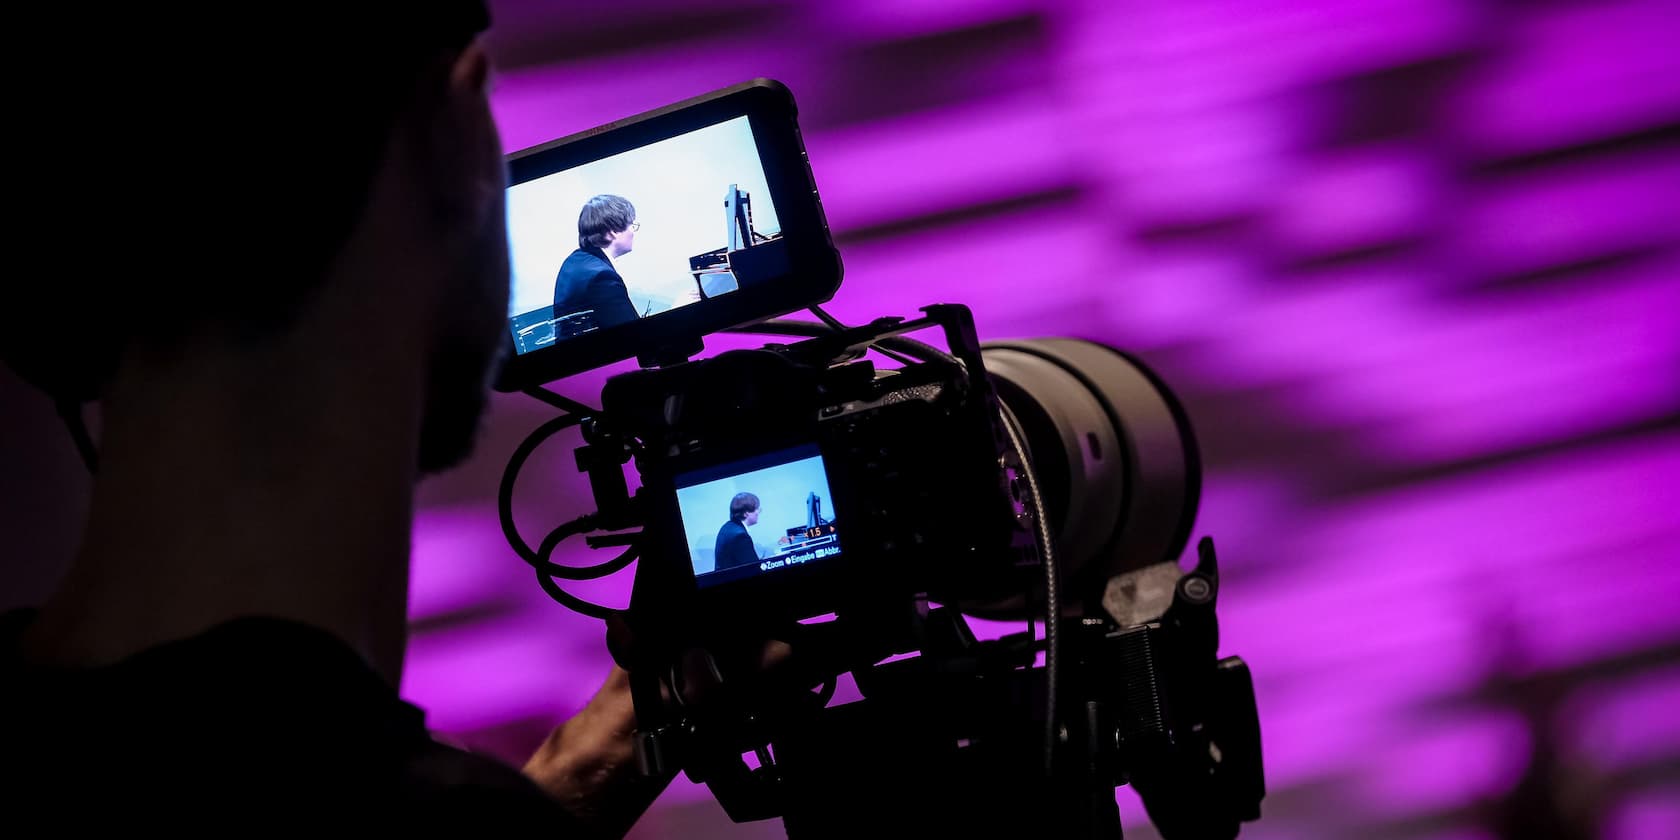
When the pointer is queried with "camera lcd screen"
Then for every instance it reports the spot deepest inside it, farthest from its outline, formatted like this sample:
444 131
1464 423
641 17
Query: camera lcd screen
640 237
641 233
758 515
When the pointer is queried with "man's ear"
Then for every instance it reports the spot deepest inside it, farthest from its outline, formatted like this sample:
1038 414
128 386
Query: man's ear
461 151
471 70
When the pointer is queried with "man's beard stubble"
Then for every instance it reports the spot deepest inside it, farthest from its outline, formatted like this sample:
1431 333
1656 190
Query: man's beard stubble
468 356
457 393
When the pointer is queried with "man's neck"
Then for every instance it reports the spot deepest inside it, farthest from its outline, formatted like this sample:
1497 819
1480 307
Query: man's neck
244 490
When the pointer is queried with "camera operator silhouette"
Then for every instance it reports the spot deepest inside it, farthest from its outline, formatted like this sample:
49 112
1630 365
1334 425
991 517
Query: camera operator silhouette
232 628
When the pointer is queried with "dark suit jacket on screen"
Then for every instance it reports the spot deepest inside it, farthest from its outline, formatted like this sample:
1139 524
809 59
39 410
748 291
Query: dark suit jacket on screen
587 281
734 547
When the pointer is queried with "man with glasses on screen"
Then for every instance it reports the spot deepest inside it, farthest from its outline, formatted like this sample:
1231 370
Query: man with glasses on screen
589 293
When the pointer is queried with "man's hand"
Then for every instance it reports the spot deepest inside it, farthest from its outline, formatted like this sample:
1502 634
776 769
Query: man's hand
589 764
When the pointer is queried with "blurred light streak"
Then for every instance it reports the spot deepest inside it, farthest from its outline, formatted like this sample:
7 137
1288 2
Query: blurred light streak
1630 721
1572 73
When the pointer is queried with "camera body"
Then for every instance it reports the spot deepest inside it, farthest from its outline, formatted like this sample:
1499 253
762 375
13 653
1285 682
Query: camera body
876 486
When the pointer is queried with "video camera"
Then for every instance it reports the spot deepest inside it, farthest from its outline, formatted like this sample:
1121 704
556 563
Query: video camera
801 491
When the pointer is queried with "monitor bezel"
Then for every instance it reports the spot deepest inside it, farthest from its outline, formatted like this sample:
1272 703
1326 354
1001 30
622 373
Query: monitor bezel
815 266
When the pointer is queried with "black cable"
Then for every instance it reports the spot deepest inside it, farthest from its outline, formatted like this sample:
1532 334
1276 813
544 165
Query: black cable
70 411
1052 595
832 322
907 346
504 493
560 401
894 355
598 570
539 559
784 326
570 601
924 351
893 347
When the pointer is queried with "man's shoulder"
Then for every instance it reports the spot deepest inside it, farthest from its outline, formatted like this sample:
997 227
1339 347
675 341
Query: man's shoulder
585 261
250 714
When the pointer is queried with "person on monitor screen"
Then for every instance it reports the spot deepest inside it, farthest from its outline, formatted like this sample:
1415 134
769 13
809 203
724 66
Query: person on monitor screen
225 651
589 293
735 545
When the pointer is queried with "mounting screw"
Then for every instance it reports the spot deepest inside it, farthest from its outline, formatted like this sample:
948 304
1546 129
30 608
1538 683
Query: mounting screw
1196 589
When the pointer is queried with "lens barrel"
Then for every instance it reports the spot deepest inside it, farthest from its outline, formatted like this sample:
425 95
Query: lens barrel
1114 453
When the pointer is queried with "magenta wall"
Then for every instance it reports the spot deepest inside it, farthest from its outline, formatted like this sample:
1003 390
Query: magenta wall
1413 267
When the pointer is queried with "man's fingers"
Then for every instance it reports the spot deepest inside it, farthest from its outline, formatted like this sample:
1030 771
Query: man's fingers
774 653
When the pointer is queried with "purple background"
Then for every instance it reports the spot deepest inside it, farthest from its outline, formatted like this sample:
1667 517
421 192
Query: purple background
1413 267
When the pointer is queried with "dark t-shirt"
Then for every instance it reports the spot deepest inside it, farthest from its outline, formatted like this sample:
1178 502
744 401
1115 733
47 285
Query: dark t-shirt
254 724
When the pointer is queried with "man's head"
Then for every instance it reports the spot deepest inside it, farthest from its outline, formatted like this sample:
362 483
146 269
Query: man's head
608 222
744 509
346 129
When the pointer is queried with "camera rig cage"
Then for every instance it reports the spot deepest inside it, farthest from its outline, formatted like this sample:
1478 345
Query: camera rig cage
1048 481
1018 733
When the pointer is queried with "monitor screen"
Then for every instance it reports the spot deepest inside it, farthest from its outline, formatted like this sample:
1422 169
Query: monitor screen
641 233
758 515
